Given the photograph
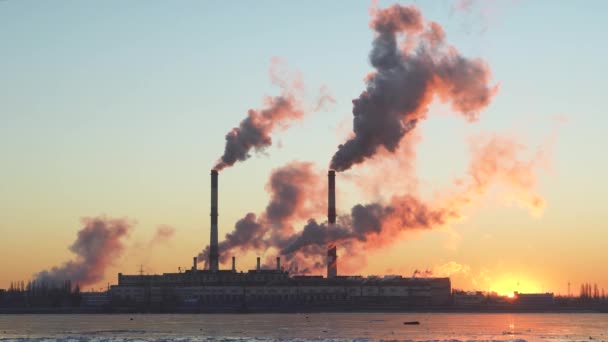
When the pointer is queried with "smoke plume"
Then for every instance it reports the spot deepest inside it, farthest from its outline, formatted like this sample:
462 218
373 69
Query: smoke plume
405 81
324 98
98 244
495 160
500 160
373 224
296 193
295 190
255 131
163 234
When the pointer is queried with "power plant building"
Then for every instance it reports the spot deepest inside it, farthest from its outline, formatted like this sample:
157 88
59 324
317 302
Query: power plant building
217 289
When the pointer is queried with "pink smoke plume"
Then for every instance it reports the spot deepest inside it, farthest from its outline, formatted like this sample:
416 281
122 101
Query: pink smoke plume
162 235
495 160
500 160
324 99
98 245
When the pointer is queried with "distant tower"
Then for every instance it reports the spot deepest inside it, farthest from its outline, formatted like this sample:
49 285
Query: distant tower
214 255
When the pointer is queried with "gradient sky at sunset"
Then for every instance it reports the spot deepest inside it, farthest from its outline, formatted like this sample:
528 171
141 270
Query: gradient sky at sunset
121 108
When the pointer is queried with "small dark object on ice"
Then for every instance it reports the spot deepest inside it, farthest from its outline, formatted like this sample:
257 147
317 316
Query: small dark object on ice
411 323
130 319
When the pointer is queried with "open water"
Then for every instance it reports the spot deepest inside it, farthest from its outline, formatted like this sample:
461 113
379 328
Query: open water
360 327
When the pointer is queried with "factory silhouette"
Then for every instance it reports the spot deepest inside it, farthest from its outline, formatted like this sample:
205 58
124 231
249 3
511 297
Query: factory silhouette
214 289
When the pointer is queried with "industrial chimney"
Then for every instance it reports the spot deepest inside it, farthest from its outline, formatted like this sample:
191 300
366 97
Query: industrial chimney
233 264
278 264
331 197
332 257
213 244
194 264
258 268
332 262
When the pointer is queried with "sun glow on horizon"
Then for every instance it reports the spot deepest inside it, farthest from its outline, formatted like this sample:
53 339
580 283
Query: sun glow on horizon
508 287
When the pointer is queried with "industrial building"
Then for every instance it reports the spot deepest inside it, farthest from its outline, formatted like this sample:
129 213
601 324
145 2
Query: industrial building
214 288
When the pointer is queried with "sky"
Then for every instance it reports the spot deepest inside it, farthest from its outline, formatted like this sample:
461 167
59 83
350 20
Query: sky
120 109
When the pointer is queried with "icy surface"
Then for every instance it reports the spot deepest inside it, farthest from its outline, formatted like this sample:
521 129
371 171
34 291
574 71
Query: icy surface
337 327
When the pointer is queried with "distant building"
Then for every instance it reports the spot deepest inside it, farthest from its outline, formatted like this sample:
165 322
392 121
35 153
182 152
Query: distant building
94 299
276 288
534 299
469 298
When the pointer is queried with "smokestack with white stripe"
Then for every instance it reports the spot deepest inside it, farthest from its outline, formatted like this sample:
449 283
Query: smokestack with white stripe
213 244
332 262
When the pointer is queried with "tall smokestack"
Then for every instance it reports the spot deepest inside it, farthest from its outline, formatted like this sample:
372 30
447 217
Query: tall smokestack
331 197
278 264
213 248
258 266
233 264
194 264
332 267
332 262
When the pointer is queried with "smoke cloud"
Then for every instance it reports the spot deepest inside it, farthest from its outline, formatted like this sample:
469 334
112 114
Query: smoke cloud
255 131
495 160
162 235
295 194
98 244
325 98
405 81
278 114
450 269
502 160
373 224
295 190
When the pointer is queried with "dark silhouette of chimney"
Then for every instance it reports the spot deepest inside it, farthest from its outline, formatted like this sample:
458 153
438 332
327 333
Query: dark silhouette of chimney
213 244
258 268
331 197
278 264
233 264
